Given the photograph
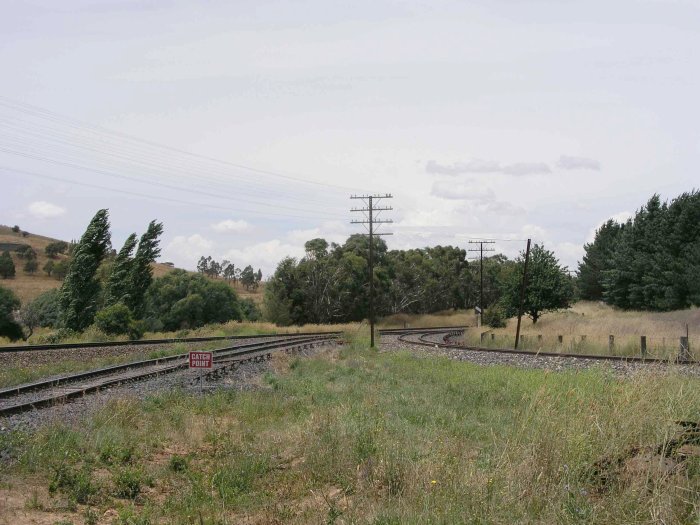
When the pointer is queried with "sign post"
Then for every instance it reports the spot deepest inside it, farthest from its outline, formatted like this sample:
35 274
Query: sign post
201 360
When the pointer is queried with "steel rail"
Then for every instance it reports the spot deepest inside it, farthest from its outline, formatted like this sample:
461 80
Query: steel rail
62 389
140 342
531 353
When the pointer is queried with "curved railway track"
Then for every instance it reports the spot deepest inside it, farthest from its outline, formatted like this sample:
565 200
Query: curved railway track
423 338
39 394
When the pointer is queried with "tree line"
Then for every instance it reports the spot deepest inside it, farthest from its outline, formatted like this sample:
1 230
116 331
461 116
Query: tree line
649 262
330 283
248 277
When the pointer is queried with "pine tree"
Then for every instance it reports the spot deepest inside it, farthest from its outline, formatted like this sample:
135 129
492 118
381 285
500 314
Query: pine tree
597 260
80 288
117 289
141 274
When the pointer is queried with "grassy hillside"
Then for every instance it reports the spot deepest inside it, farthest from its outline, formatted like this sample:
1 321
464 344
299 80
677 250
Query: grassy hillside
28 286
384 439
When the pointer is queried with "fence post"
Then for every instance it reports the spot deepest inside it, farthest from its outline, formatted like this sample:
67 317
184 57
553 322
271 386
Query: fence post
583 338
560 339
483 337
539 339
643 345
684 354
611 343
493 337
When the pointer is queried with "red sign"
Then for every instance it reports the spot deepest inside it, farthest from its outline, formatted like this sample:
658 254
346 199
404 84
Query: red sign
201 359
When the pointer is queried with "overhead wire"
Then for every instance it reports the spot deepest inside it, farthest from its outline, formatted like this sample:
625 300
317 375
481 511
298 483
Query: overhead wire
57 117
8 169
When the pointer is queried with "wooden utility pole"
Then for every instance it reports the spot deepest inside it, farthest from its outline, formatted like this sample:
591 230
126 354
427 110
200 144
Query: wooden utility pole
370 221
523 286
481 272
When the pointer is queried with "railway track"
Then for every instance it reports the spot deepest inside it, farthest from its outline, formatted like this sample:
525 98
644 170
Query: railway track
428 338
40 394
146 342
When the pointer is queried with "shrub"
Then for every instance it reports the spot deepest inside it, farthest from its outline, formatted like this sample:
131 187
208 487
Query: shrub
127 483
183 300
7 265
8 326
77 484
60 269
137 328
26 252
48 268
54 248
495 317
250 310
114 320
31 266
16 229
177 463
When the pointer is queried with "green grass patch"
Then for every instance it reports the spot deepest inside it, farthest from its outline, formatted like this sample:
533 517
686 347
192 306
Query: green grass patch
364 437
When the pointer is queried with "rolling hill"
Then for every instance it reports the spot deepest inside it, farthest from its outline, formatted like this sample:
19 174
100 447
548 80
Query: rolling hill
28 286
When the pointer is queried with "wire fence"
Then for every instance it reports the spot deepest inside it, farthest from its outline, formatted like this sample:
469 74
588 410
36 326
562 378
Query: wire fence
659 347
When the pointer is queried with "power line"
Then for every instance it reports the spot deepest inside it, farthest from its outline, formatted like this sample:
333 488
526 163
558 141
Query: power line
57 117
50 141
370 221
136 179
152 197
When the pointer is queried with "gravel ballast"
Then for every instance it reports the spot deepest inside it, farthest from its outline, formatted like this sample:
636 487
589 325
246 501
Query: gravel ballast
558 364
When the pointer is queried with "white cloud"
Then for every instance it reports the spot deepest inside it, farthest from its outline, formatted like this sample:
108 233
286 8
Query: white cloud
186 251
332 231
230 226
526 168
567 162
452 191
620 217
45 210
473 166
488 166
265 255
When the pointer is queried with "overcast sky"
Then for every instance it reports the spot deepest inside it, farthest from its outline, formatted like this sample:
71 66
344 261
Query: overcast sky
500 118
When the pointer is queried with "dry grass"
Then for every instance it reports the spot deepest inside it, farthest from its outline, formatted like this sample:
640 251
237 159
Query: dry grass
594 323
446 318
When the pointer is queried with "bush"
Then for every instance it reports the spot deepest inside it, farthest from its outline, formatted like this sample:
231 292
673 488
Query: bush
495 317
77 484
54 248
31 266
184 300
8 326
114 320
56 337
137 328
250 310
7 265
60 269
127 483
16 228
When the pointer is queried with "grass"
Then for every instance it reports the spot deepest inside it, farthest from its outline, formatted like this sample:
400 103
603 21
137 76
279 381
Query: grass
361 437
586 327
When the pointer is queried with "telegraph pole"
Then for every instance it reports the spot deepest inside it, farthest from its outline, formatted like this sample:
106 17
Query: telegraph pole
481 251
370 221
522 294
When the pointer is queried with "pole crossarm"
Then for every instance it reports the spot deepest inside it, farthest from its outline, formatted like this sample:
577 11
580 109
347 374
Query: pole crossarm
370 221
